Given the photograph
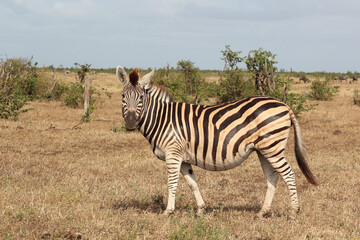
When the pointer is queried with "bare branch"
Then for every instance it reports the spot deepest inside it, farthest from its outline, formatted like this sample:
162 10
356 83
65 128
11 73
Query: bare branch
286 86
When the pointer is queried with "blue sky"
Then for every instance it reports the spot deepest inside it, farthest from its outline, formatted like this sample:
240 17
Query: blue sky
306 35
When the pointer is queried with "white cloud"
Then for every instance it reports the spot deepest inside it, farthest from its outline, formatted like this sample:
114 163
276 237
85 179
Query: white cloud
303 33
50 9
76 9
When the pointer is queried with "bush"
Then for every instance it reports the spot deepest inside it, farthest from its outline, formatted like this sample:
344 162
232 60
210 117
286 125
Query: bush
171 79
234 85
11 106
298 104
18 80
58 92
185 83
73 95
233 82
321 90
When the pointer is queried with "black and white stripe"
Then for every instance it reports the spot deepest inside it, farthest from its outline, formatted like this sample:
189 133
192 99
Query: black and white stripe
216 138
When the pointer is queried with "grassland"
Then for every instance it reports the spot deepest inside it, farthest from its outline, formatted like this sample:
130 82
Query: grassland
63 180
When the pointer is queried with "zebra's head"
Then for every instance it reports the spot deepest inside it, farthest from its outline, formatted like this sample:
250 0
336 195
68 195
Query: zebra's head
133 95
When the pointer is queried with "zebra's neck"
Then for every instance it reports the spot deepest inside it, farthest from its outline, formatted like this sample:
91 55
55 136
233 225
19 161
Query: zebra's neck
156 98
159 94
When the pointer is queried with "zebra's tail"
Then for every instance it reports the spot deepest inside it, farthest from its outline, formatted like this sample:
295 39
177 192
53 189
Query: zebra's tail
300 151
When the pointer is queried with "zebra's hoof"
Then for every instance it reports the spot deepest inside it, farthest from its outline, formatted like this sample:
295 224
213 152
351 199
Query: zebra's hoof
293 215
291 218
168 212
263 214
199 213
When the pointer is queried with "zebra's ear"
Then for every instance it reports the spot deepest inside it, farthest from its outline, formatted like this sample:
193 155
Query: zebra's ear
145 80
121 75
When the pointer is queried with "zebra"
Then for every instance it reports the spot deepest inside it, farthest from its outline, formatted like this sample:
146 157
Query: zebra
215 137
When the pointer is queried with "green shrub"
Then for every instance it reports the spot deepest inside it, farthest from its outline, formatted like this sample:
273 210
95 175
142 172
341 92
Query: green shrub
11 106
298 104
59 91
322 90
18 79
234 85
233 82
174 84
87 116
185 83
73 95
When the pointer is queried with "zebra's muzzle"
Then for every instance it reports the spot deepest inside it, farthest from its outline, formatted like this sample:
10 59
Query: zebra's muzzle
130 121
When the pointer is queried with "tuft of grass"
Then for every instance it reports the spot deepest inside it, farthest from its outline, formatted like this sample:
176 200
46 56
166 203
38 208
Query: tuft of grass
117 129
198 230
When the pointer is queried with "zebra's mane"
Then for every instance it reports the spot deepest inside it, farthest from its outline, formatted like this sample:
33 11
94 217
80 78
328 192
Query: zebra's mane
134 76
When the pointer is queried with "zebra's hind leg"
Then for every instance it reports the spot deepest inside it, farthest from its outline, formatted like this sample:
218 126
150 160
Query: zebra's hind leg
283 168
271 180
188 173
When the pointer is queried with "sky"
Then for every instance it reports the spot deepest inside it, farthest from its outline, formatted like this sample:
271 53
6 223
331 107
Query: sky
305 35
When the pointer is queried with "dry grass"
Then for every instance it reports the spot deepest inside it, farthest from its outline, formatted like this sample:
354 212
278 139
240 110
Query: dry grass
57 181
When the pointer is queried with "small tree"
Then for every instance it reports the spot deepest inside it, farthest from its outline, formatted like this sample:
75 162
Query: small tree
231 58
261 64
233 82
84 69
192 77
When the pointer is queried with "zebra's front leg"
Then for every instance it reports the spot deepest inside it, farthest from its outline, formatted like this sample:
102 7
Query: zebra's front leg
173 165
188 173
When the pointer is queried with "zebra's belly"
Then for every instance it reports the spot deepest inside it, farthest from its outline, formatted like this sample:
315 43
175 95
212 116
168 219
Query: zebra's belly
218 164
159 153
208 162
